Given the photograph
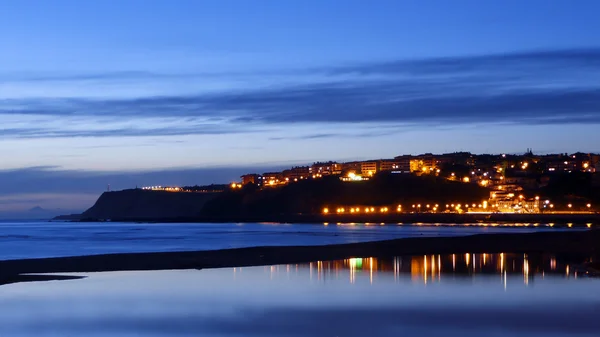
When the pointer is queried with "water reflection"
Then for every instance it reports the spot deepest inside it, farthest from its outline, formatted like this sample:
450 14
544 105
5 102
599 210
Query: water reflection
433 268
431 295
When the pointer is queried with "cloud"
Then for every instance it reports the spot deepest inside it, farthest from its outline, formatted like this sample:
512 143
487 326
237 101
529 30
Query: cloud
541 87
52 187
522 62
50 179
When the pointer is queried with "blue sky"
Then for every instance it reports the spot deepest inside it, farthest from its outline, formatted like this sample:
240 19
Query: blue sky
165 92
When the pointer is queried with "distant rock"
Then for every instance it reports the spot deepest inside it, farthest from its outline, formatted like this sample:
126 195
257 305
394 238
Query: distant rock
34 213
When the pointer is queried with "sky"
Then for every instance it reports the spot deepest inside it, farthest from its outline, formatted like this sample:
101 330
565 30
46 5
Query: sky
135 92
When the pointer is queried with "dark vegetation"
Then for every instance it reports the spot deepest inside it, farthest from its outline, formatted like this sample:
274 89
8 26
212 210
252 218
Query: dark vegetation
572 187
310 196
143 204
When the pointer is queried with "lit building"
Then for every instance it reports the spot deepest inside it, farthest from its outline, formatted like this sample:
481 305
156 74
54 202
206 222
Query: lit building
509 202
323 169
296 173
399 164
524 182
252 178
425 163
354 166
272 178
369 168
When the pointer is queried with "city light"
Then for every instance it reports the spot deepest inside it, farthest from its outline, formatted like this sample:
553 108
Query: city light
325 210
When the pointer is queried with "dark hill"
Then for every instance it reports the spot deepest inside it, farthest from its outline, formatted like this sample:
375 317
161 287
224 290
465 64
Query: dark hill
310 196
144 204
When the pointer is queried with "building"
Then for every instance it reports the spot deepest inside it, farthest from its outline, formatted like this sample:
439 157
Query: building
508 202
387 165
455 158
324 169
400 164
272 178
561 166
425 163
251 178
524 182
353 167
296 173
369 168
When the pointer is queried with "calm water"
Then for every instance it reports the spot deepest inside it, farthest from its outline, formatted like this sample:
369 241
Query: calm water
448 295
44 239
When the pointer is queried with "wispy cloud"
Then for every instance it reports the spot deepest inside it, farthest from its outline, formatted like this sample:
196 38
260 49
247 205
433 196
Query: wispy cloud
542 87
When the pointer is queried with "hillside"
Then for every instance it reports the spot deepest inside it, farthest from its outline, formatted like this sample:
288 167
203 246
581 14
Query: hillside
144 204
310 196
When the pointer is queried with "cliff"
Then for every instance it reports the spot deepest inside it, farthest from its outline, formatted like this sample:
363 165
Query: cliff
143 204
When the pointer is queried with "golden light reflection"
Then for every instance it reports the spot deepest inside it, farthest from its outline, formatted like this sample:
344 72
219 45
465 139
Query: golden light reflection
453 262
525 270
426 269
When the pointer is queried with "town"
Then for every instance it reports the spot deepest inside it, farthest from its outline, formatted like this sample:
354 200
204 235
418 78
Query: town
512 180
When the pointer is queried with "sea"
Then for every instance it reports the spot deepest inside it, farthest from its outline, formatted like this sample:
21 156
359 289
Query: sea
39 239
456 295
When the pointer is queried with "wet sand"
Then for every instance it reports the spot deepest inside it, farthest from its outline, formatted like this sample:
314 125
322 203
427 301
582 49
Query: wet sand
579 243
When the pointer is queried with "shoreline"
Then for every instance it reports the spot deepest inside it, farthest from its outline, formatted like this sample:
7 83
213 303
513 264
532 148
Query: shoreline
414 218
578 243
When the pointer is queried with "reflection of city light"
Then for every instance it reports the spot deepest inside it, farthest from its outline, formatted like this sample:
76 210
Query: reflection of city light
425 269
355 262
525 270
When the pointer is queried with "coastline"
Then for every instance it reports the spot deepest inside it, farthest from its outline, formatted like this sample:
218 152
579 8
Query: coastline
578 243
577 219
